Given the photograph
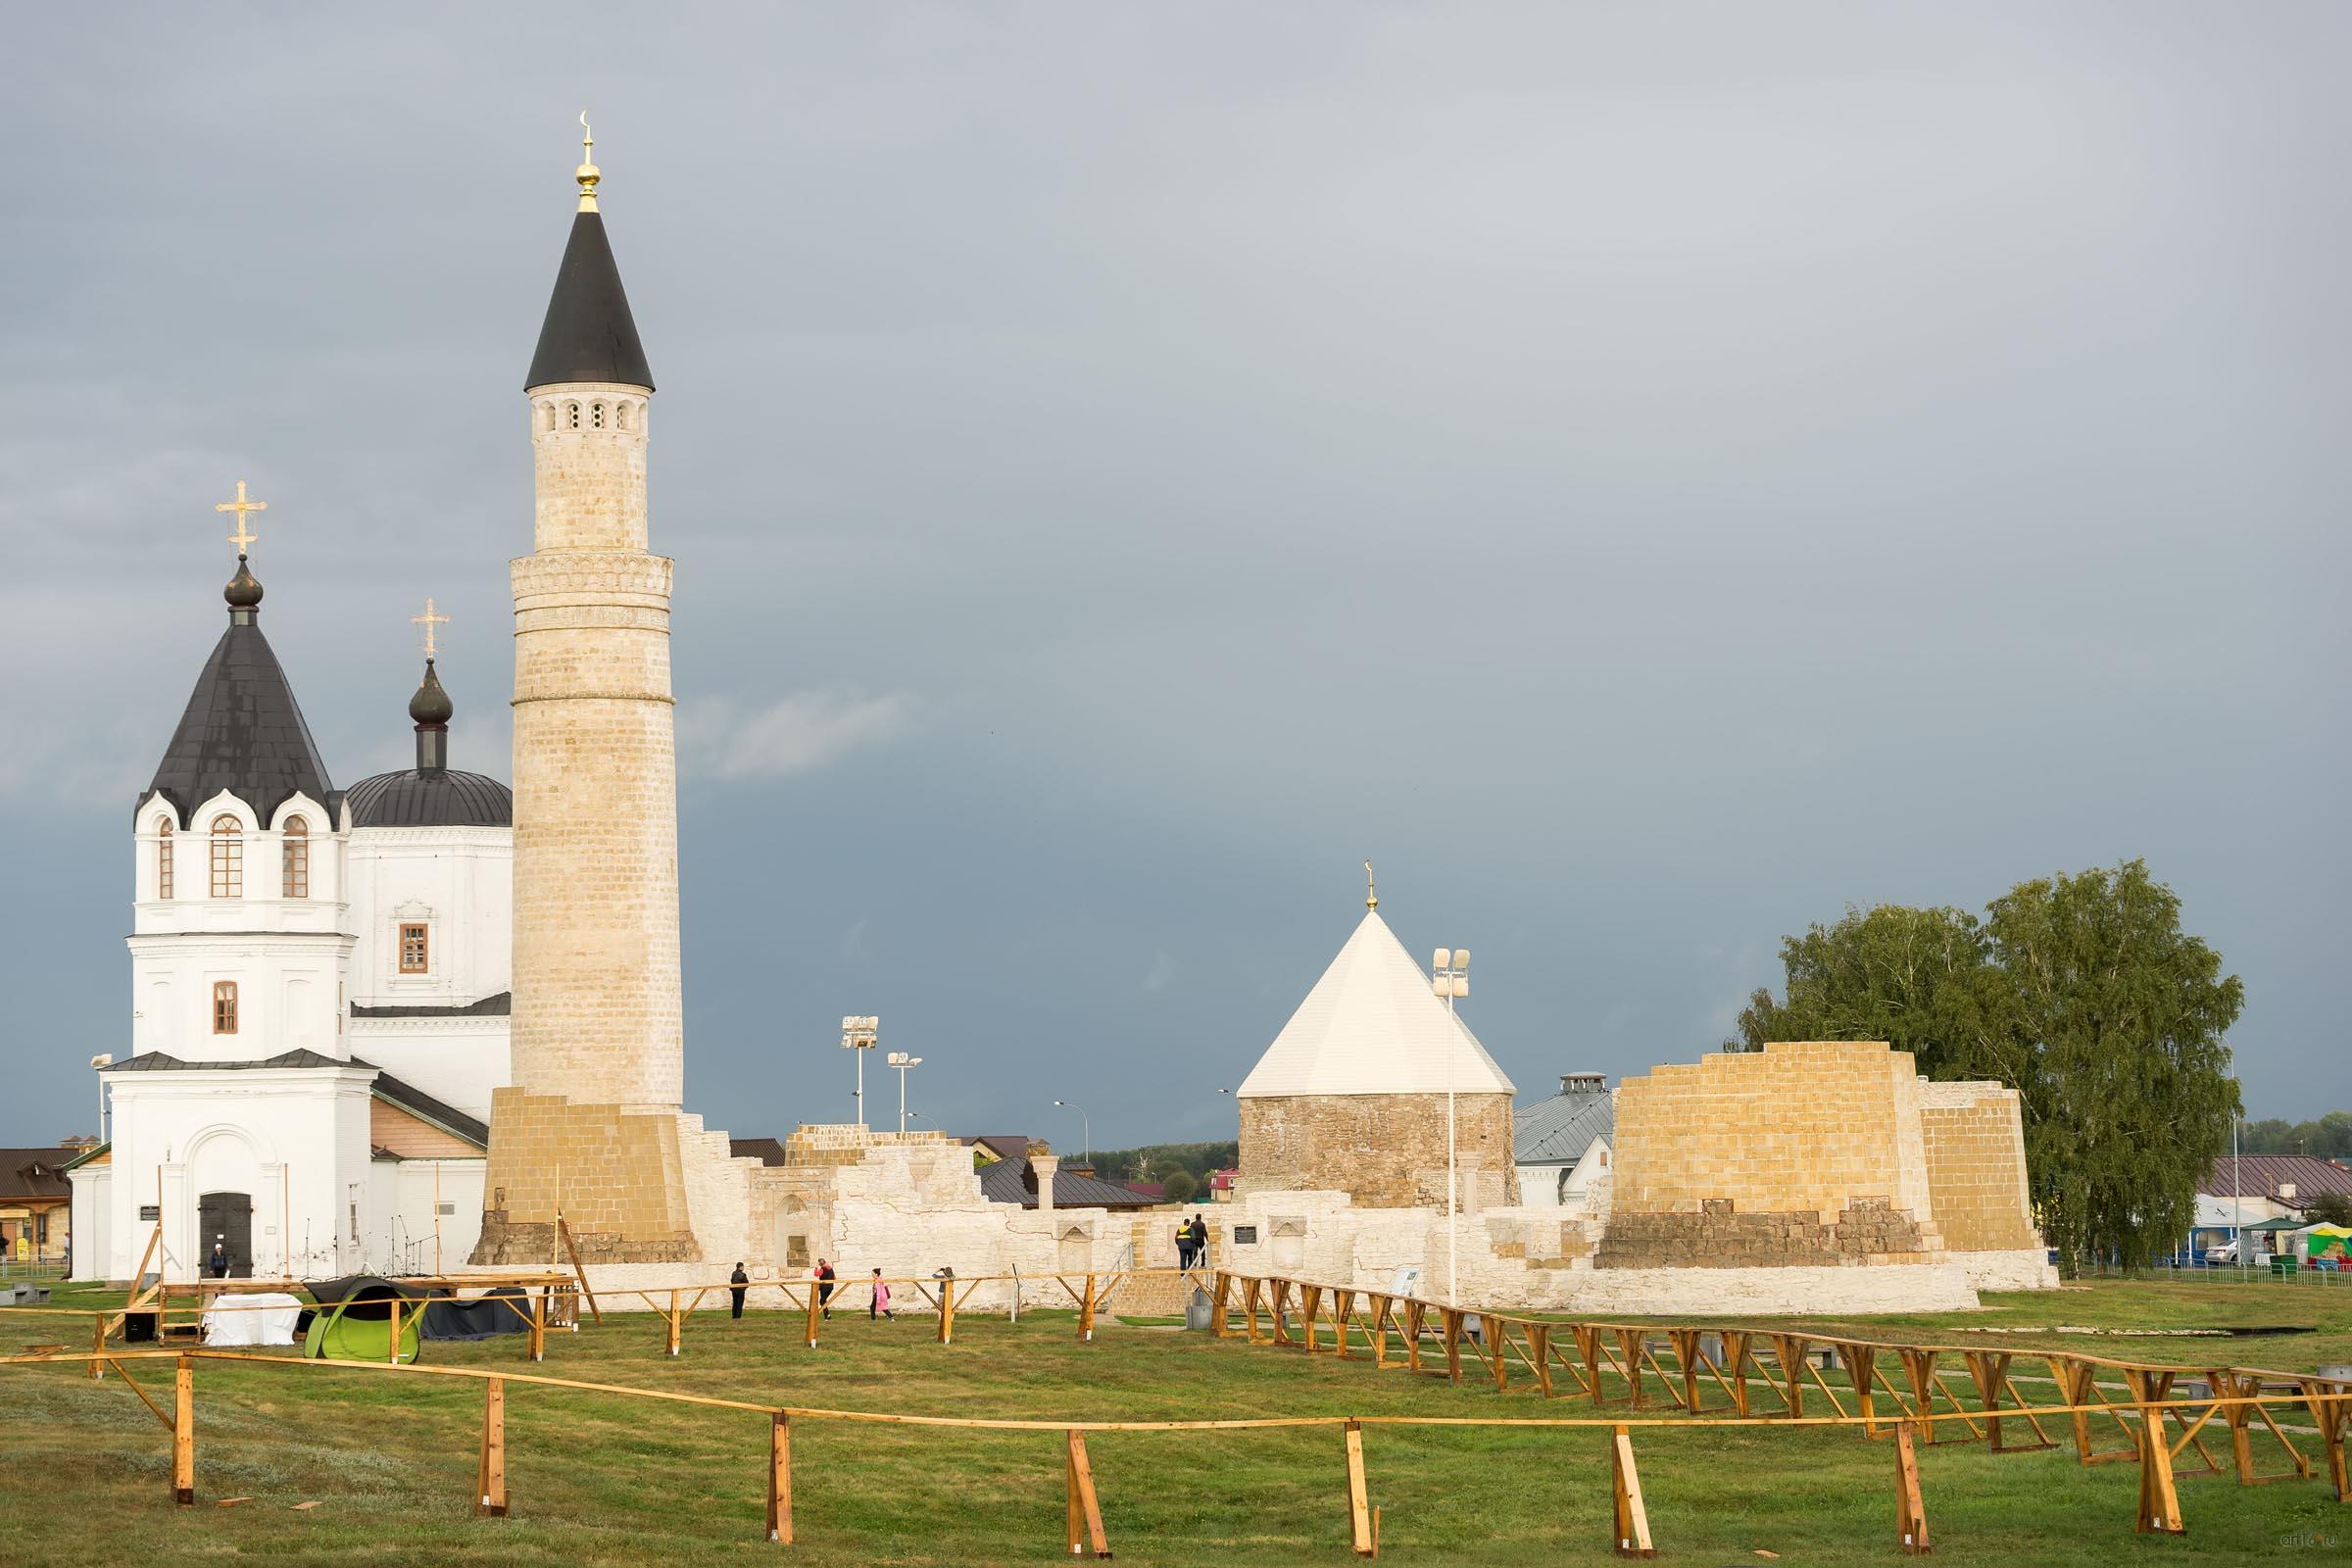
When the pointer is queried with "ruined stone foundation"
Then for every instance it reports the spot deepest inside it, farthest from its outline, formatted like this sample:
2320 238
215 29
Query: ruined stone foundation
1384 1151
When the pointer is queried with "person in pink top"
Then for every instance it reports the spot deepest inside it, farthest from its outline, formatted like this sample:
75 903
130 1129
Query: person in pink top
880 1304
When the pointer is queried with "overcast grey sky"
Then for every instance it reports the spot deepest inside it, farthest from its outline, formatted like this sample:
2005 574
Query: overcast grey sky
1647 476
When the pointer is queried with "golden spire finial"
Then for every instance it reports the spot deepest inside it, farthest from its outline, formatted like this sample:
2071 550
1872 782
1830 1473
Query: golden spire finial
587 173
244 536
1371 892
428 620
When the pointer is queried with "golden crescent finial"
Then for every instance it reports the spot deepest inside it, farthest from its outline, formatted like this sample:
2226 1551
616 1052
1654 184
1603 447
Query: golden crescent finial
587 173
1371 891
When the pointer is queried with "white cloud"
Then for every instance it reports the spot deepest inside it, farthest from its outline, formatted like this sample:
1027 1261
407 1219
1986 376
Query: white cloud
799 734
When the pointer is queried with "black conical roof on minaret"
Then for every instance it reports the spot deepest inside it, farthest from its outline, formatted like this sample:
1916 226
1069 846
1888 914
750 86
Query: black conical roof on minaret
589 334
242 730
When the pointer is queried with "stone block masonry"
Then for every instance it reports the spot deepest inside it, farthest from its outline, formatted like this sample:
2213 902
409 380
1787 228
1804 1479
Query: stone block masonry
1976 1144
1384 1151
592 1121
1796 1128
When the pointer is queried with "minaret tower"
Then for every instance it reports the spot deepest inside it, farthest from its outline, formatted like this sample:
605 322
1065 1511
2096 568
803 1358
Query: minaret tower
590 1126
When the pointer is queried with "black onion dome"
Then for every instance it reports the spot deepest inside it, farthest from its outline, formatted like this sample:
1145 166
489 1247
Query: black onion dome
430 797
242 730
430 705
589 334
244 590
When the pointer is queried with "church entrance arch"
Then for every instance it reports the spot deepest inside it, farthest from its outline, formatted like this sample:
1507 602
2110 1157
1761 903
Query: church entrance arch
227 1217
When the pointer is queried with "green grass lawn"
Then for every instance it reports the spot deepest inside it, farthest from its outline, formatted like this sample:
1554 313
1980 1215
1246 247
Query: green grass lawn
596 1479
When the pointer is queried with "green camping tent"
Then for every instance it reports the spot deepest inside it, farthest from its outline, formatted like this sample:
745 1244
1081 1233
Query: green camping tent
352 1321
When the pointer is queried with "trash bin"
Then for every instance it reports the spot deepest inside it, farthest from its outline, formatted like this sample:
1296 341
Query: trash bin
1200 1313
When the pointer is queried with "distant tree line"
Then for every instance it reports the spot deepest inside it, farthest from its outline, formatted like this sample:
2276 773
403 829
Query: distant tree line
2329 1137
1181 1168
2081 992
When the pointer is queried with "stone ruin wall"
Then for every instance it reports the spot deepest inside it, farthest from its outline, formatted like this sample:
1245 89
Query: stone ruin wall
1976 1144
1384 1151
1804 1154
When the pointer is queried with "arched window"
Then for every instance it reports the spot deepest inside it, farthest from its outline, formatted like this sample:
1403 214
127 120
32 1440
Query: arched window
225 1007
162 858
571 412
229 858
298 858
621 415
596 416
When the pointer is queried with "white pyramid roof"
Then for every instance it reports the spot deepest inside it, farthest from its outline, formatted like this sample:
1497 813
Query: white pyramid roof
1371 1026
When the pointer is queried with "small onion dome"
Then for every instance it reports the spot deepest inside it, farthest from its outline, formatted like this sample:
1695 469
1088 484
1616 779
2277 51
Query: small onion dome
244 590
430 705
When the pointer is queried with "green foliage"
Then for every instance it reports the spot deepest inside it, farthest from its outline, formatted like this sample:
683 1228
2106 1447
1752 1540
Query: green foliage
2329 1137
1181 1186
1145 1163
2330 1208
2080 992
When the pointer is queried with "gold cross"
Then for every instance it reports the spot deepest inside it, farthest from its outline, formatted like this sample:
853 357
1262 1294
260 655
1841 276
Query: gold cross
244 535
428 620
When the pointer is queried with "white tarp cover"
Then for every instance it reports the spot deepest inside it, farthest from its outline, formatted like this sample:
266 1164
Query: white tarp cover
266 1317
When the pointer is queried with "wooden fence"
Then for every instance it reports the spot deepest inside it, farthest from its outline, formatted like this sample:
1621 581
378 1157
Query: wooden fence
1084 1529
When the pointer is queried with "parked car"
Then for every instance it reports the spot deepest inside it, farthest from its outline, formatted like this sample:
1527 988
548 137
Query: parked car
2226 1252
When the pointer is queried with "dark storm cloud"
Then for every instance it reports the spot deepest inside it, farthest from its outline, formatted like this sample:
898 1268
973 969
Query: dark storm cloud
1647 476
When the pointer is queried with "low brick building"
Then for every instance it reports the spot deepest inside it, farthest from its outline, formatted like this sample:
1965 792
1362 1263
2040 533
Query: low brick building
1351 1094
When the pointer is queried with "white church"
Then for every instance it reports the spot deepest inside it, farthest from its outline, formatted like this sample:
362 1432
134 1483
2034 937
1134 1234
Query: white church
320 994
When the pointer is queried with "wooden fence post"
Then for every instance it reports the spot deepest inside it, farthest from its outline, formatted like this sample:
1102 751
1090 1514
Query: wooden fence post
1359 1503
98 1345
779 1477
671 1317
1910 1509
947 1309
183 1432
394 1357
816 1291
1223 1294
1084 1510
536 1341
490 1477
2159 1501
1630 1537
1086 1312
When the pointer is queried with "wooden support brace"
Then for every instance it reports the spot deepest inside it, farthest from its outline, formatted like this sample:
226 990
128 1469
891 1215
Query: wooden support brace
1416 1315
1224 1296
1343 1305
1910 1509
490 1478
1495 1329
1629 1537
1084 1510
183 1433
1453 1343
2159 1501
1359 1503
779 1479
579 1270
2331 1417
1861 1364
1539 1338
1310 1303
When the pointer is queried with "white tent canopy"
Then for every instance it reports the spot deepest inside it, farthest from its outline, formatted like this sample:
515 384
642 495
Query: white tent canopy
264 1317
1371 1026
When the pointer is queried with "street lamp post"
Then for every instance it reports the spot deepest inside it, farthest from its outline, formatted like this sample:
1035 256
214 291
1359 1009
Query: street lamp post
1450 977
858 1036
1086 1134
905 1065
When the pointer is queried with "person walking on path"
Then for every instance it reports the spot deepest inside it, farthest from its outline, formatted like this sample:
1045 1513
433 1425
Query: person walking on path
1184 1246
738 1279
1200 1242
823 1275
880 1304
